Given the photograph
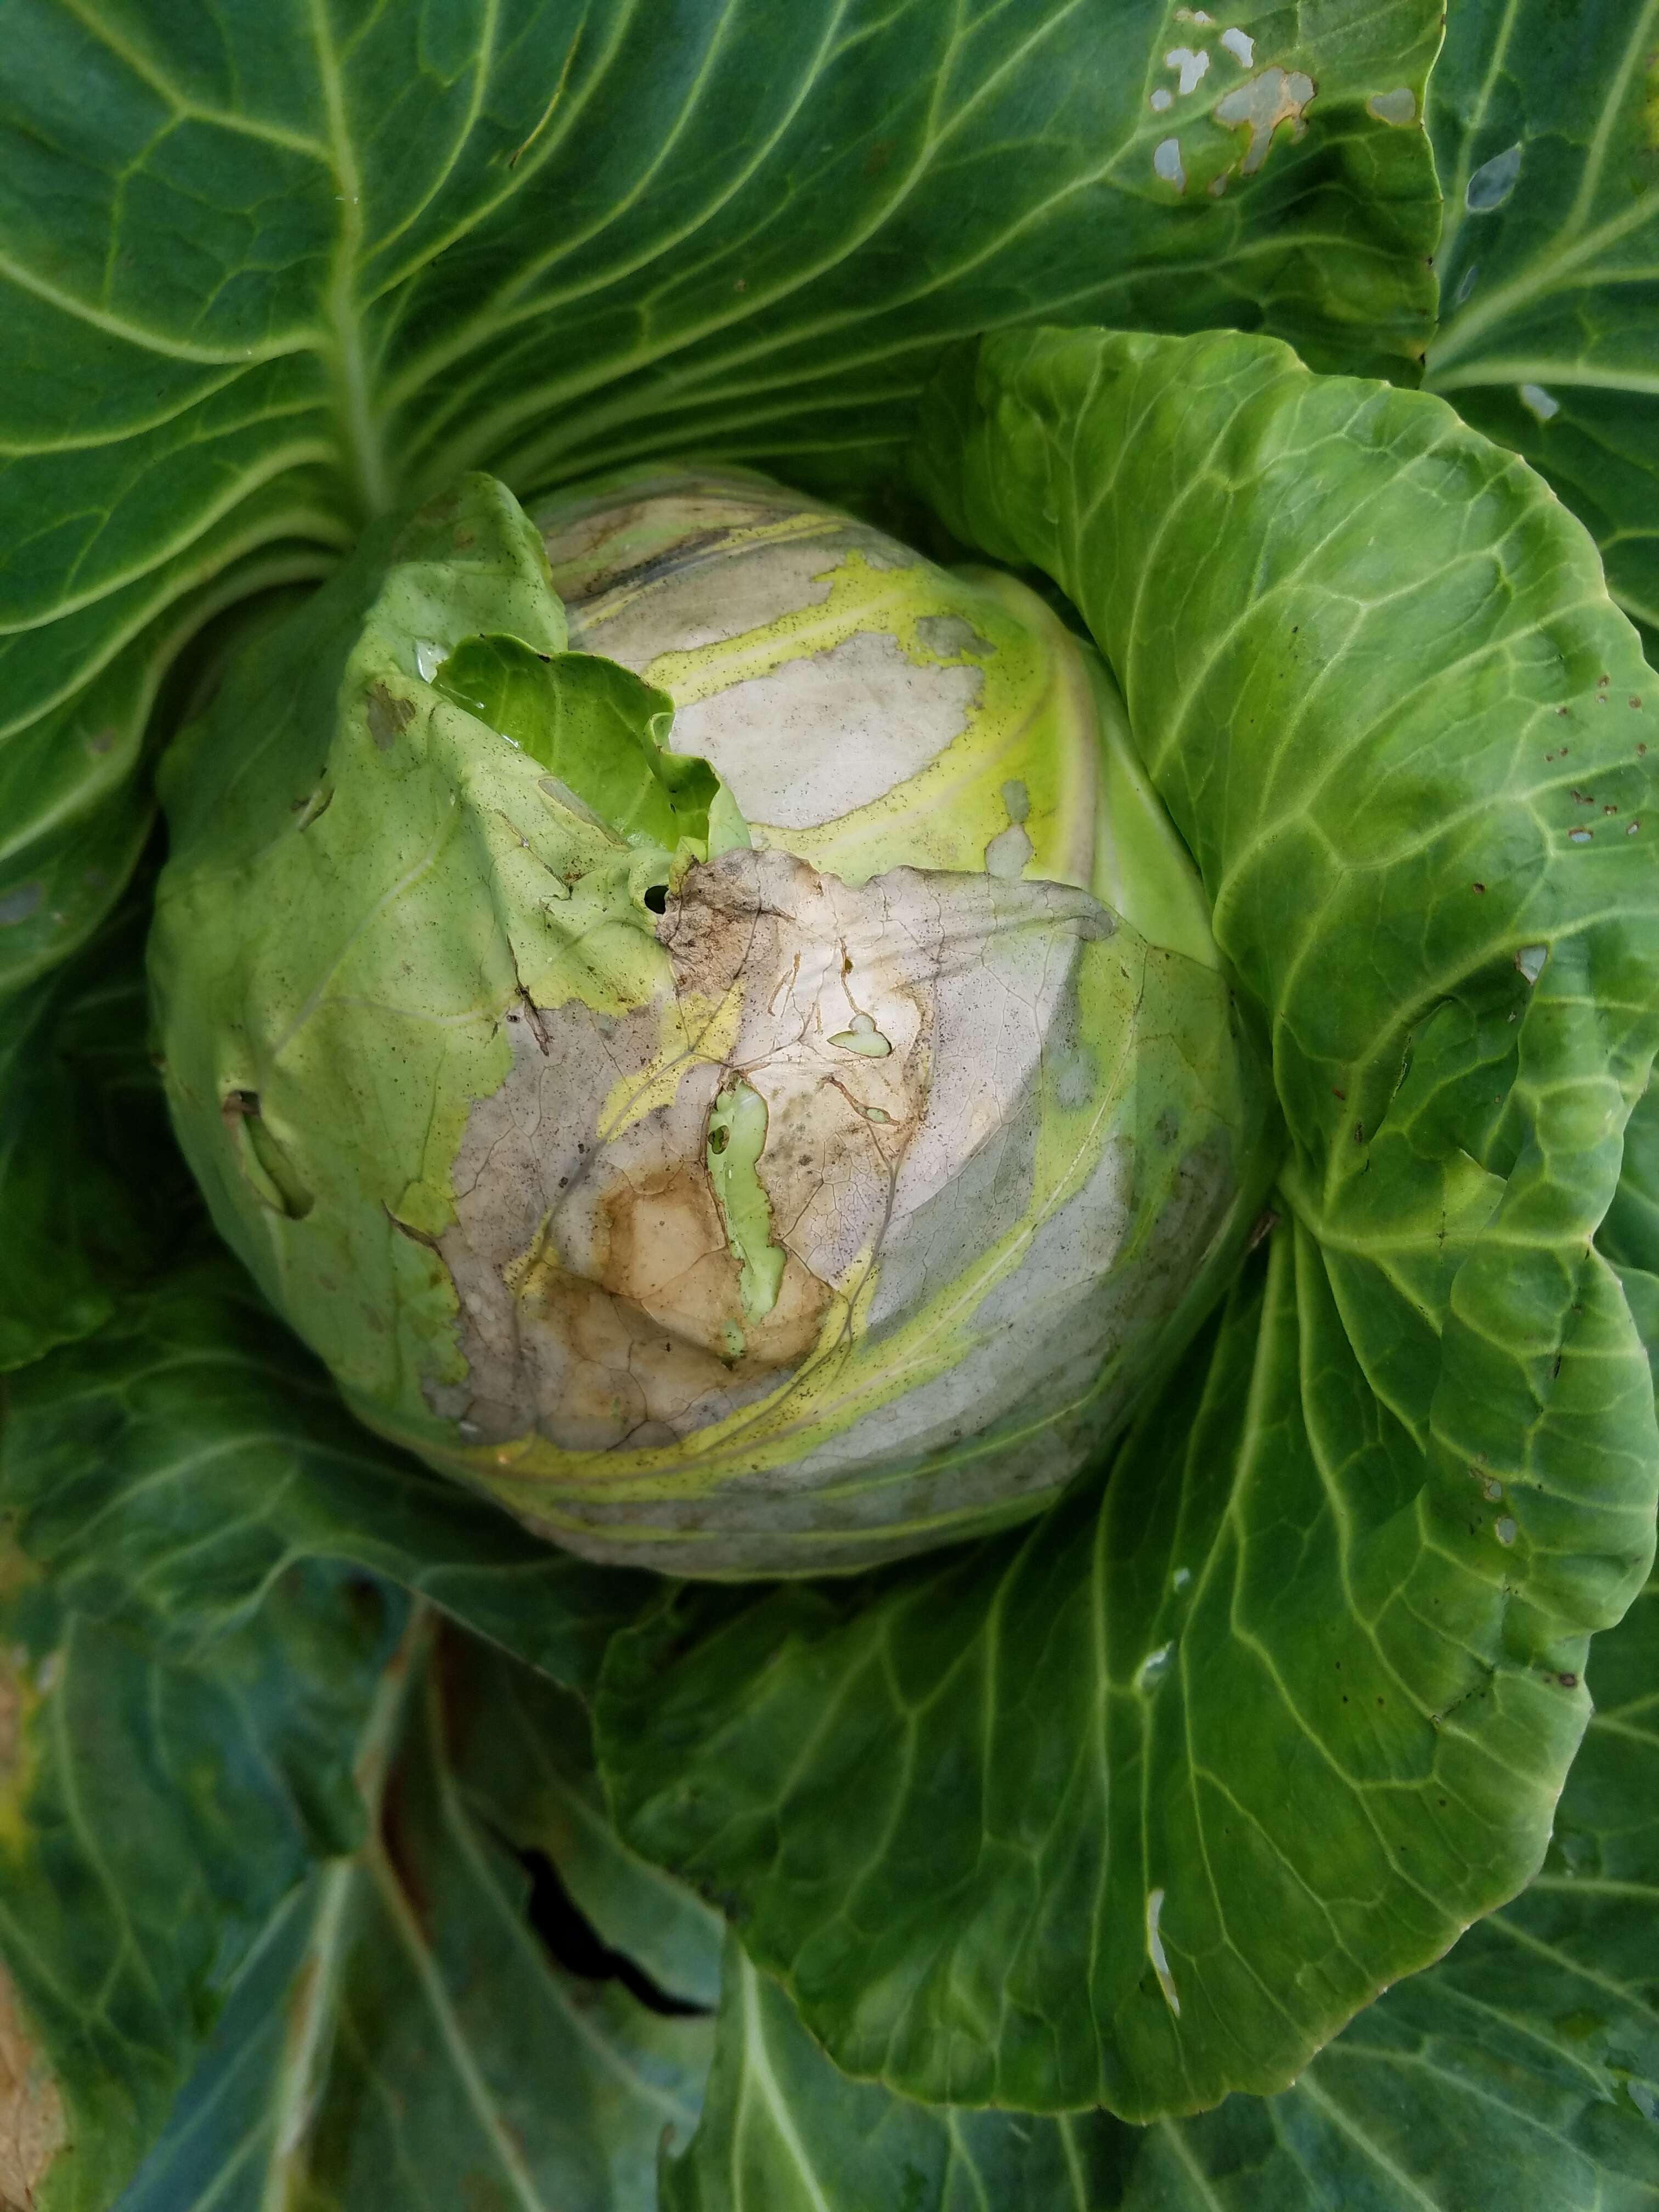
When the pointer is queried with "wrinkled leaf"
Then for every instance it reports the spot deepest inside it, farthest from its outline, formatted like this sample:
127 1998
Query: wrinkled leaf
1521 2073
404 2038
167 1469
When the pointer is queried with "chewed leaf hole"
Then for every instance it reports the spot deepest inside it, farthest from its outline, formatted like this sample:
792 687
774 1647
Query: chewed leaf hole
864 1038
265 1164
1491 184
572 1942
656 897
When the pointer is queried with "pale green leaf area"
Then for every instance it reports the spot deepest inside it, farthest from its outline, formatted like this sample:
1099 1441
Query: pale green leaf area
597 727
269 269
1143 1808
404 2037
168 1470
367 886
1522 2072
1545 128
152 1819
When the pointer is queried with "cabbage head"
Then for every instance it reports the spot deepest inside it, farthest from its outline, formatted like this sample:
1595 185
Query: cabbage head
696 1013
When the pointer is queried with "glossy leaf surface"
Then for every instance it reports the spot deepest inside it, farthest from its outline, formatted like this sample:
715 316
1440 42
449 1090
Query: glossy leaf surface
1522 2073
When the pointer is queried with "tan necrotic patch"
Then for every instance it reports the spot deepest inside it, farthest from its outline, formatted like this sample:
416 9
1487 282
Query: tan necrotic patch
602 1297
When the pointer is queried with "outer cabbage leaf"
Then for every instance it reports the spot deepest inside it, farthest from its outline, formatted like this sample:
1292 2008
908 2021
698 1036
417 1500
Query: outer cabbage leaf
167 1470
153 1817
268 271
1522 2073
403 2037
1545 131
1141 1810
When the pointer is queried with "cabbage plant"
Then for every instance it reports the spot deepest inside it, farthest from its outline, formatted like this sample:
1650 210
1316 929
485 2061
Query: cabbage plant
830 1268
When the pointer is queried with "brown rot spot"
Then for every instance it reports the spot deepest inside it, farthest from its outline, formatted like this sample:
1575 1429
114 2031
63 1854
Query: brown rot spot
1568 1681
1335 1093
1480 887
662 1247
388 715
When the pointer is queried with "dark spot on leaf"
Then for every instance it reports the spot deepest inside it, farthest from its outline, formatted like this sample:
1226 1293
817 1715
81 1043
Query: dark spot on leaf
571 1940
17 906
388 715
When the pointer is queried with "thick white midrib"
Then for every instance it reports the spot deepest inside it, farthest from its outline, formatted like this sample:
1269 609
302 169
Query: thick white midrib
363 451
475 2092
1563 376
298 2082
308 2042
759 2070
1589 182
